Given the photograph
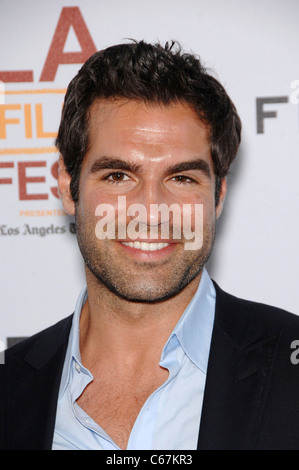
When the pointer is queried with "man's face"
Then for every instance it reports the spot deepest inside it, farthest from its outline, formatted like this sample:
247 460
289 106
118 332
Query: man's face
148 155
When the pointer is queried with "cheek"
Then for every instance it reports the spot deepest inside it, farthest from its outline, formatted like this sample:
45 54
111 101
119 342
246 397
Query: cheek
94 201
198 219
98 196
206 206
209 216
100 214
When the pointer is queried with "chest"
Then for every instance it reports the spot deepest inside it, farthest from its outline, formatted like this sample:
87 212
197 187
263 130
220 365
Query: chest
114 404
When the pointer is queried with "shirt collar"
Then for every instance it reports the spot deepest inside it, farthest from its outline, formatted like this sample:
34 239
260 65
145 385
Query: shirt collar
193 331
73 348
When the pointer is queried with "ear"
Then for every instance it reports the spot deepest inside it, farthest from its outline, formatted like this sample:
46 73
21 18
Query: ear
64 181
222 195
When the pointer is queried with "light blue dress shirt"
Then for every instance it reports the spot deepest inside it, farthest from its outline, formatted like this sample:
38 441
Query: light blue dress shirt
170 417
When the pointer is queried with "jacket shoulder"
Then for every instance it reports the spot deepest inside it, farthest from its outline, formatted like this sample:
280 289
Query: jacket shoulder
256 313
30 378
51 337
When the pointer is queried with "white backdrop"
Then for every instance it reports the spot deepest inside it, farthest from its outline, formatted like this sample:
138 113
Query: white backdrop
252 45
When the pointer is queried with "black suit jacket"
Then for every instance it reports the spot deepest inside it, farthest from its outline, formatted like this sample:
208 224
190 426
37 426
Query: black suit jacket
251 398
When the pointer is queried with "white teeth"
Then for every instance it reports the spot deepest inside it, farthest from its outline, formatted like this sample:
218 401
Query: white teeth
146 246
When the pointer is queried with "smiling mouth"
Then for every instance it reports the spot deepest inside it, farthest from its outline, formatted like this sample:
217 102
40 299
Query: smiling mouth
145 246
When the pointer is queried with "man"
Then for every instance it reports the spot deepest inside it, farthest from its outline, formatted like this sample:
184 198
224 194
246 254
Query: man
156 355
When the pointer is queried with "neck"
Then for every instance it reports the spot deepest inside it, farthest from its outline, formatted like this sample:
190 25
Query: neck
119 333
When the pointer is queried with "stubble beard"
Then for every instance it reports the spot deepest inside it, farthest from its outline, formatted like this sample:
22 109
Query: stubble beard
141 282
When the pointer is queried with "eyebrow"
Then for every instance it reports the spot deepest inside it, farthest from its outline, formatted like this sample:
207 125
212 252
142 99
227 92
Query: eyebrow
111 163
198 164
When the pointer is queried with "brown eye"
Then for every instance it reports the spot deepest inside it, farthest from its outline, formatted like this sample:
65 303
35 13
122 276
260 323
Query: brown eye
117 177
182 179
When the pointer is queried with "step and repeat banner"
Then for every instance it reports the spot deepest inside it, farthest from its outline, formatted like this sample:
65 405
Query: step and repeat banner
250 46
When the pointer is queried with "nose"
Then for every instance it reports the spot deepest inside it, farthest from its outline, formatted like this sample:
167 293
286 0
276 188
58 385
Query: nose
152 207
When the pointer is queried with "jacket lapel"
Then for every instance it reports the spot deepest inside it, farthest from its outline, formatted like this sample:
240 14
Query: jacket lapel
240 364
33 390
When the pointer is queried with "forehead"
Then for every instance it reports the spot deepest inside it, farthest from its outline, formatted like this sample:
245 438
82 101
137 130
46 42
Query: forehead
127 127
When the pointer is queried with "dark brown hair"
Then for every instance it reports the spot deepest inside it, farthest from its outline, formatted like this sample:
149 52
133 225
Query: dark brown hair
153 74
